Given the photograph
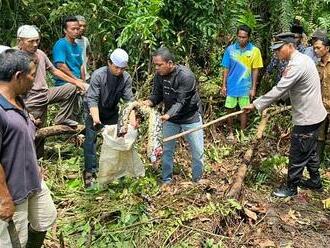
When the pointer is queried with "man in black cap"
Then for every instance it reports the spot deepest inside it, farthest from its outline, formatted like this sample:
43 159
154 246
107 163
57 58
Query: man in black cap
300 80
277 66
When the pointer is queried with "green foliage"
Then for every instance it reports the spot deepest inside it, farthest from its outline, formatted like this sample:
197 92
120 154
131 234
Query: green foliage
324 21
269 168
222 208
216 154
125 214
196 30
210 243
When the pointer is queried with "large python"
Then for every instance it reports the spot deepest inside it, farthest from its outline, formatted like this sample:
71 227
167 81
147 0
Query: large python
154 147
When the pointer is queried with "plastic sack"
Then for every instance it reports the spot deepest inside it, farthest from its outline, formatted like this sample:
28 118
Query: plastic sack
118 158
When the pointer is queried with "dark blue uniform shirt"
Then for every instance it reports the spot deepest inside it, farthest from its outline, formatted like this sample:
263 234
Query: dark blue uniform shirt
17 151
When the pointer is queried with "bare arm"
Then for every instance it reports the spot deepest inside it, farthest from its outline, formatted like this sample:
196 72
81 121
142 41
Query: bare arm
224 82
255 73
65 69
72 80
7 207
94 111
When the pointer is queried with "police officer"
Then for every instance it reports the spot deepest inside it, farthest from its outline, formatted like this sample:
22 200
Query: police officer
301 81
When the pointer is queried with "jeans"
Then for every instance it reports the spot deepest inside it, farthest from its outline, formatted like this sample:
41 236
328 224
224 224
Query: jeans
196 143
303 153
91 164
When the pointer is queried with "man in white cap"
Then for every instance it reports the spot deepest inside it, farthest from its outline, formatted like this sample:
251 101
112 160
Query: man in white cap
40 96
108 85
300 80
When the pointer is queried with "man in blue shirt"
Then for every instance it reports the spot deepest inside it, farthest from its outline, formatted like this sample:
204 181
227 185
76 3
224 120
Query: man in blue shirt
241 63
67 54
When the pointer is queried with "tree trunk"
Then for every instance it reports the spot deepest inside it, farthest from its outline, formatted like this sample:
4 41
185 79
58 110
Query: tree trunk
57 130
238 179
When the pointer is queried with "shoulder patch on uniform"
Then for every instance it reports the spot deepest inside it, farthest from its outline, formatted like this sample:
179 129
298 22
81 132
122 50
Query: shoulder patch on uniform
286 71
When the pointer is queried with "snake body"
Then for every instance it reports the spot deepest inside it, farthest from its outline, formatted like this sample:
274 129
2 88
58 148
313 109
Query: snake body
154 147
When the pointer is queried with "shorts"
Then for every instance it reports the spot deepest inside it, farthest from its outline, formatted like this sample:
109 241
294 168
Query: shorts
231 101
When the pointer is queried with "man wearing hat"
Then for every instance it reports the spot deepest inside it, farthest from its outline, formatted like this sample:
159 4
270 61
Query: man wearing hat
40 96
277 66
300 80
108 85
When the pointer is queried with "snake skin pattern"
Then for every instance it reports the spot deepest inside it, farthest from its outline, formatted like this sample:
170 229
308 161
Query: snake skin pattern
154 147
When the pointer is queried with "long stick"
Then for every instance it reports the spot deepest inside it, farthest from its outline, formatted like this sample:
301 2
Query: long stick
203 126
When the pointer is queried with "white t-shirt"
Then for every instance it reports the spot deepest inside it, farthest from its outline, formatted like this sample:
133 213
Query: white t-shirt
83 42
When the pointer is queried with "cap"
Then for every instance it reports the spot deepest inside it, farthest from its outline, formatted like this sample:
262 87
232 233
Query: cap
27 31
119 57
281 39
3 48
318 33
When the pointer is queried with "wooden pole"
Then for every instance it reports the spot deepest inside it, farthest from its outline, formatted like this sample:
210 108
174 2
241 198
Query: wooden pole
203 126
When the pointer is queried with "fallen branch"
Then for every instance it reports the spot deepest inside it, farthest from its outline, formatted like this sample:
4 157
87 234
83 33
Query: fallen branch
238 179
57 130
203 126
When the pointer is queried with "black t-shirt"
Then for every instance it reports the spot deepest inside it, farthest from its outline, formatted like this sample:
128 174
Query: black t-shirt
178 91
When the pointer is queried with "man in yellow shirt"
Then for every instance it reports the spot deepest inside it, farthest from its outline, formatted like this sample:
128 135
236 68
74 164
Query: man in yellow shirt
241 61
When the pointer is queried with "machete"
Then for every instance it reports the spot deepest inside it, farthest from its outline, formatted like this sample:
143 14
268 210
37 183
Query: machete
13 235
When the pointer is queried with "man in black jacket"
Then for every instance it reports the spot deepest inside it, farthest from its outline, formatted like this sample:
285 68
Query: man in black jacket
175 86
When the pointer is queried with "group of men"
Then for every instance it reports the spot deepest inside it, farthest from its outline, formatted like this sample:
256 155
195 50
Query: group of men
24 196
24 97
304 79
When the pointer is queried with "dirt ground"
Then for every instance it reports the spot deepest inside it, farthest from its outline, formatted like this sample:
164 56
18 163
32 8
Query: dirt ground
186 214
